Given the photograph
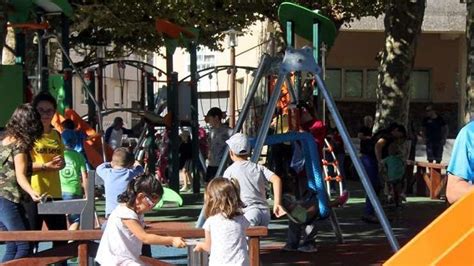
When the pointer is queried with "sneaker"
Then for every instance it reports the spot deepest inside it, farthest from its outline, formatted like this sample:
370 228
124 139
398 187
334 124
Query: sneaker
307 249
342 200
184 189
371 219
288 248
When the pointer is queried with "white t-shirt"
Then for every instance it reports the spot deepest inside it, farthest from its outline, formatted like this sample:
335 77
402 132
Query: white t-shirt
118 246
252 179
228 241
115 140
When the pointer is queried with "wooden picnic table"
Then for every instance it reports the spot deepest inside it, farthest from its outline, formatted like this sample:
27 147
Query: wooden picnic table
433 174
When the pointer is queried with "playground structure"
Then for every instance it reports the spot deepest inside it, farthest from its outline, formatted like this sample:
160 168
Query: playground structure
299 20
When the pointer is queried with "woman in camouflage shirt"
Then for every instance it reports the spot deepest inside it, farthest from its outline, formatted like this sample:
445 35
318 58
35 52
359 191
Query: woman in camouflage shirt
22 130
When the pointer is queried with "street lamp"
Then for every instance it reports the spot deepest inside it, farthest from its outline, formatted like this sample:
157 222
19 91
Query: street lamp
232 43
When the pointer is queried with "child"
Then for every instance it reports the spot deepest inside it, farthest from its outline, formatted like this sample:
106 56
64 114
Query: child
252 180
122 241
225 225
73 174
185 160
68 124
394 171
218 134
116 176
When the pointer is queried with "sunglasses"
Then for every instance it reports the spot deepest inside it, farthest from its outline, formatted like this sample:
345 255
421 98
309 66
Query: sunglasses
150 202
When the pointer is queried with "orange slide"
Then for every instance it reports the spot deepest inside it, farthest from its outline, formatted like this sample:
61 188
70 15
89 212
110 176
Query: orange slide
448 240
92 145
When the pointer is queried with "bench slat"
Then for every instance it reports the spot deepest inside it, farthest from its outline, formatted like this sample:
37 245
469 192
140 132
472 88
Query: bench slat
57 235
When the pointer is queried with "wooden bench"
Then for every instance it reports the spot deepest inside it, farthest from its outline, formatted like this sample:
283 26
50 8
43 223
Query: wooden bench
84 245
433 175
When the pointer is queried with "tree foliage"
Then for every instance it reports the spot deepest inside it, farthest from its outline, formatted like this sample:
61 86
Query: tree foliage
130 24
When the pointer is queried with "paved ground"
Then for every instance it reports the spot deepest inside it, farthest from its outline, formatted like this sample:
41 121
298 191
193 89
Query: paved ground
365 244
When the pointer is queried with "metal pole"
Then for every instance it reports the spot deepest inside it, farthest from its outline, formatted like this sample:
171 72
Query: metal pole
267 119
194 118
65 24
173 155
100 84
358 165
232 87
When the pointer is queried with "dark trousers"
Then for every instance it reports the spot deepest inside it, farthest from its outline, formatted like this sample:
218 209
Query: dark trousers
211 173
53 221
434 151
371 167
13 218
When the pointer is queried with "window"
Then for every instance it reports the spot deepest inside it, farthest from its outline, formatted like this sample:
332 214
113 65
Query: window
333 82
353 83
372 84
362 84
419 85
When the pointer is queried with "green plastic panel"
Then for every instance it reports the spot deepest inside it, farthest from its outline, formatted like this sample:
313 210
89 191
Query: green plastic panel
53 6
304 19
11 89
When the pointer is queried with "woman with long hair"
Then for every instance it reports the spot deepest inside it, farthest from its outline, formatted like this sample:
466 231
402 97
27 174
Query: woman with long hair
48 158
21 132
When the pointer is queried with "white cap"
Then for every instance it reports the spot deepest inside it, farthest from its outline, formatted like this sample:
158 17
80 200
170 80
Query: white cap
239 144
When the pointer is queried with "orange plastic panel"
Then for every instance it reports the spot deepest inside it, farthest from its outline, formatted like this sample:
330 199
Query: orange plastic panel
445 234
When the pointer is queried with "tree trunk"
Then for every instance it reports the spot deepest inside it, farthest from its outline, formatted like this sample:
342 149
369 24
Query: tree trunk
469 104
402 21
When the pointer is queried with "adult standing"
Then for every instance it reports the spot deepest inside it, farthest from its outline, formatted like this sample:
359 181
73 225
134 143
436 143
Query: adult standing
114 134
435 132
22 130
47 155
461 166
218 134
376 151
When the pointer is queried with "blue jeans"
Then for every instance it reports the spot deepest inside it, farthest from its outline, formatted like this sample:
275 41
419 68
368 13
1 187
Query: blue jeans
72 218
372 169
13 218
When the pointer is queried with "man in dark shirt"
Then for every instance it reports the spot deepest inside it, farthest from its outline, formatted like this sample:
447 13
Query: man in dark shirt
435 131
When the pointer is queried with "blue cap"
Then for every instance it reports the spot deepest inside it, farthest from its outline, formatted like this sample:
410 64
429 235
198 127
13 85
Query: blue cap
69 138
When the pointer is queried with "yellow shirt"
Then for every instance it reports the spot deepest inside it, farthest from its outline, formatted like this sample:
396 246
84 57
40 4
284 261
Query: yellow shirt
45 149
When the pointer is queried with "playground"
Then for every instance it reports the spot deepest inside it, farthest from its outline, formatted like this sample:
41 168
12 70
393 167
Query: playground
287 83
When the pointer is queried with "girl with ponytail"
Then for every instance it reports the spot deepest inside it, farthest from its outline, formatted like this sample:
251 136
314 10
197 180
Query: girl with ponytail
122 241
225 225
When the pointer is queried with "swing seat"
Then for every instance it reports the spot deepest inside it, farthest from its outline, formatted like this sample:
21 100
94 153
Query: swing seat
169 195
313 169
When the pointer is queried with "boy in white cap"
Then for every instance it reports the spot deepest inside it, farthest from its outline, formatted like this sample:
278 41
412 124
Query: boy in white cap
252 179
